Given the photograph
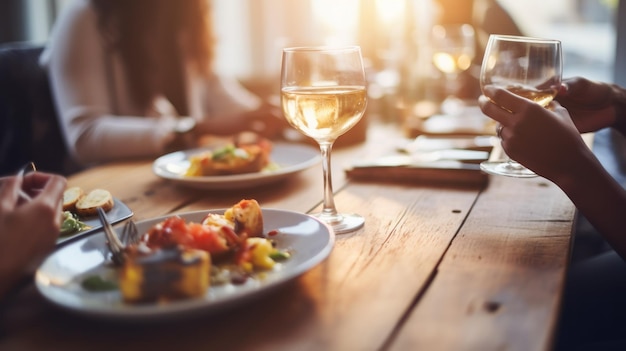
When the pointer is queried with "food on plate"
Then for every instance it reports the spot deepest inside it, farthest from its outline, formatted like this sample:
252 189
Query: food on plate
72 224
177 259
170 273
221 235
245 153
97 283
78 204
71 197
87 205
246 216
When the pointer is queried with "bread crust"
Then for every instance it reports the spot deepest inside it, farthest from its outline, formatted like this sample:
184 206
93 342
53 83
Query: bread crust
88 205
71 197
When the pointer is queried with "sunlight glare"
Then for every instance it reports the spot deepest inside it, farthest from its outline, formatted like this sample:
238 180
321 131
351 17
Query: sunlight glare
390 11
338 19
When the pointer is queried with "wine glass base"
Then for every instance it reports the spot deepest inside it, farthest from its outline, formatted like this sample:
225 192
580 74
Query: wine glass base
508 169
343 223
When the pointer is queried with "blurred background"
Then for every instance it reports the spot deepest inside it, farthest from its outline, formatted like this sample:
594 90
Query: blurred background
394 36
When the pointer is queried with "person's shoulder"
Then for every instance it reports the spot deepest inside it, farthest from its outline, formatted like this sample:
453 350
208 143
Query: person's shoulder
76 23
73 16
77 10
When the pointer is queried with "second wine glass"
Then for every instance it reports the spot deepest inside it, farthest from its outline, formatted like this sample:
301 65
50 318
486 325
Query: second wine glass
453 48
528 67
323 95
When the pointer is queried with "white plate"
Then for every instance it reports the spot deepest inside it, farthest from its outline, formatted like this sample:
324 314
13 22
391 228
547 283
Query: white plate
118 213
59 277
290 158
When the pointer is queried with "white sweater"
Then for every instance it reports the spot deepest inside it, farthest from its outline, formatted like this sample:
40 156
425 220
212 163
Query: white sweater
99 121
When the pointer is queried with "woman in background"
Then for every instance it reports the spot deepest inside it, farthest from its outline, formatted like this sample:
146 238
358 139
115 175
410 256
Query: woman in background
123 72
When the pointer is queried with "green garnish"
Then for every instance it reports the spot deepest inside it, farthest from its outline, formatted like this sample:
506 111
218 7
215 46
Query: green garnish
229 151
279 255
71 224
97 283
223 152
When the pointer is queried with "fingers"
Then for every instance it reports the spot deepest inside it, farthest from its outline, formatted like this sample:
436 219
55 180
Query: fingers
493 110
35 181
583 93
8 193
45 187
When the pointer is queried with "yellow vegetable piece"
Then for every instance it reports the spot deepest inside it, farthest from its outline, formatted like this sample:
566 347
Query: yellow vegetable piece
260 253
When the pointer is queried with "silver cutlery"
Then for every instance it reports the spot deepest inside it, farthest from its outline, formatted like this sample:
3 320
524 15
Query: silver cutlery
30 167
115 245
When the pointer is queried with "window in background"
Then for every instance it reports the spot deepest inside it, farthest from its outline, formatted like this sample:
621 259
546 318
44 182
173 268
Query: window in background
251 33
586 29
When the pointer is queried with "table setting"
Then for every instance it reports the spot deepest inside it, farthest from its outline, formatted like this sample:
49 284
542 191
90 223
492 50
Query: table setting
400 242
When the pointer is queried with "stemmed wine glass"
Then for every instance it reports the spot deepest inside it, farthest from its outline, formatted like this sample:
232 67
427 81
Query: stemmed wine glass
454 50
528 67
323 93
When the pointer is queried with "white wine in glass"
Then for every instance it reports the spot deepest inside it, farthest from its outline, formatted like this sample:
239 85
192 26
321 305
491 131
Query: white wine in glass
528 67
323 95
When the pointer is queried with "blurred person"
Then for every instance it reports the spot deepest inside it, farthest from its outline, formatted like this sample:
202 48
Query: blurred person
123 72
29 228
548 142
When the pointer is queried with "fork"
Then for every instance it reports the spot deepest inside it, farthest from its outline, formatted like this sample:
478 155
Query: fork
20 174
130 234
116 247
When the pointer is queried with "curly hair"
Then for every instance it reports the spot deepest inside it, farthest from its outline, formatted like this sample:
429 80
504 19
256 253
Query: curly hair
156 40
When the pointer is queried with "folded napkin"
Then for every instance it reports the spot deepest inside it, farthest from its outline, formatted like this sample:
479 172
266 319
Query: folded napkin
429 173
431 161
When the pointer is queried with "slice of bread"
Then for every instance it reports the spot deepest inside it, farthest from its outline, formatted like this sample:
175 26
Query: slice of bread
71 197
88 204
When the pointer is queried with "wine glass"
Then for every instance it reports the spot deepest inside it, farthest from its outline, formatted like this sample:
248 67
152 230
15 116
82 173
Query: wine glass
528 67
323 95
454 49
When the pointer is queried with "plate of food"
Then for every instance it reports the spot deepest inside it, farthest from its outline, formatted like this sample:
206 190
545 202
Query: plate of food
79 212
188 263
235 165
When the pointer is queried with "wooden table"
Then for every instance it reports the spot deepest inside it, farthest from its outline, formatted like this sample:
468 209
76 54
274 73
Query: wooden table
434 268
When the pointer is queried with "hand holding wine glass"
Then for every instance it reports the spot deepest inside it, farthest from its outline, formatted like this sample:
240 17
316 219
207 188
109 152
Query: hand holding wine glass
323 94
528 67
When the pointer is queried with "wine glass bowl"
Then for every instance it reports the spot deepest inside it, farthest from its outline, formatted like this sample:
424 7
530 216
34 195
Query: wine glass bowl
528 67
323 95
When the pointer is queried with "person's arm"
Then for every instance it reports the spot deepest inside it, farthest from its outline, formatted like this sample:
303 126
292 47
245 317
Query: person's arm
28 229
600 198
548 142
227 108
81 79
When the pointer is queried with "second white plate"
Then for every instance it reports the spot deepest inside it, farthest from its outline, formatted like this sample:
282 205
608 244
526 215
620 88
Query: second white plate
290 158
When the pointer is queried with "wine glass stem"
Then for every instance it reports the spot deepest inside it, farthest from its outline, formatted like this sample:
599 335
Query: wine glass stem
329 212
